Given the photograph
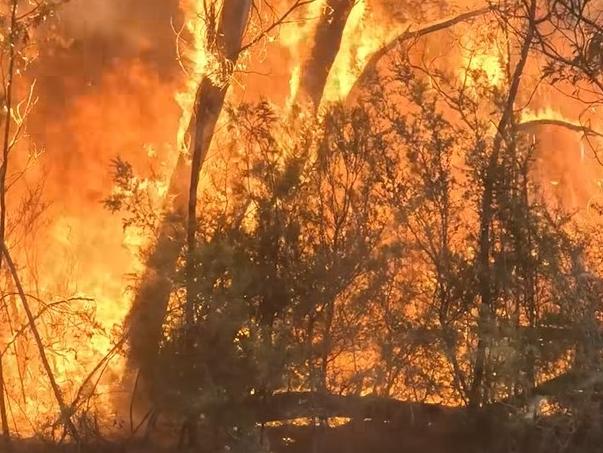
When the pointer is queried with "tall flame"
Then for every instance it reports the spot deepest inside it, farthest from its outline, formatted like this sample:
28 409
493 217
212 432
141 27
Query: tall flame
363 35
82 252
195 60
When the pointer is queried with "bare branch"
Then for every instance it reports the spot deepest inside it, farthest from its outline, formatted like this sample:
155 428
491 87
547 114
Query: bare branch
65 412
529 124
414 34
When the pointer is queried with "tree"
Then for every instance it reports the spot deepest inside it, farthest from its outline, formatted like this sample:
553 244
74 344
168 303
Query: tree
22 19
325 46
225 42
401 249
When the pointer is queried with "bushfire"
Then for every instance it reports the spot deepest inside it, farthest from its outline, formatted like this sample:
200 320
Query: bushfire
301 225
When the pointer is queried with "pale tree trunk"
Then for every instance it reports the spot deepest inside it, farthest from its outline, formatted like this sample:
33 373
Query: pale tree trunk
150 303
327 41
208 105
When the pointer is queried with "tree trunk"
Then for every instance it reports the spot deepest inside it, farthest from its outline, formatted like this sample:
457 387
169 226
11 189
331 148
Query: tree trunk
150 303
486 309
327 41
208 106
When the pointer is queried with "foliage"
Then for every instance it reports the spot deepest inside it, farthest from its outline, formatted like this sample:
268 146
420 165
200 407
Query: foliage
401 248
343 259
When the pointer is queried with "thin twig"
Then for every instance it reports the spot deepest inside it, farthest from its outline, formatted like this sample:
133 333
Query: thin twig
65 412
414 34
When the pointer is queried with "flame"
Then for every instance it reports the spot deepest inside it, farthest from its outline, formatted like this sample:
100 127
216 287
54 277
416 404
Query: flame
481 58
566 170
79 254
547 113
83 252
294 38
363 35
196 60
293 86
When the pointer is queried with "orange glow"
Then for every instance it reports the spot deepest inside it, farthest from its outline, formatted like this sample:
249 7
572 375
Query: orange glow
81 253
481 58
363 35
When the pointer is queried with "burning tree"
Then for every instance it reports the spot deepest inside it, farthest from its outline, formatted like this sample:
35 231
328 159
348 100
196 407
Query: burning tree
402 249
398 256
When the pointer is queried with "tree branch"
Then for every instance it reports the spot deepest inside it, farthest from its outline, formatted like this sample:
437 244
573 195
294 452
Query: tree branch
529 124
443 24
65 413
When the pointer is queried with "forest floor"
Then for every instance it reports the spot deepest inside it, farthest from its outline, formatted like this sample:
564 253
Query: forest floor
364 437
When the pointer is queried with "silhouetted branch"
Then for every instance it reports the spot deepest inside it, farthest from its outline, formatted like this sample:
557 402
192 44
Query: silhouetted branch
65 412
408 35
525 125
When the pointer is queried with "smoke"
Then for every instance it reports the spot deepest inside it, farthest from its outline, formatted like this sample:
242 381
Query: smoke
89 17
115 58
122 29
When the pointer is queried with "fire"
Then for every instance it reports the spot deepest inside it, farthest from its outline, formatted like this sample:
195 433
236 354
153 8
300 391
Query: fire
196 60
546 113
567 164
84 255
587 125
363 35
75 260
293 86
294 37
481 58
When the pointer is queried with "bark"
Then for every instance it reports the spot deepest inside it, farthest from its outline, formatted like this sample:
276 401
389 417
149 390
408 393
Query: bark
150 303
327 42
